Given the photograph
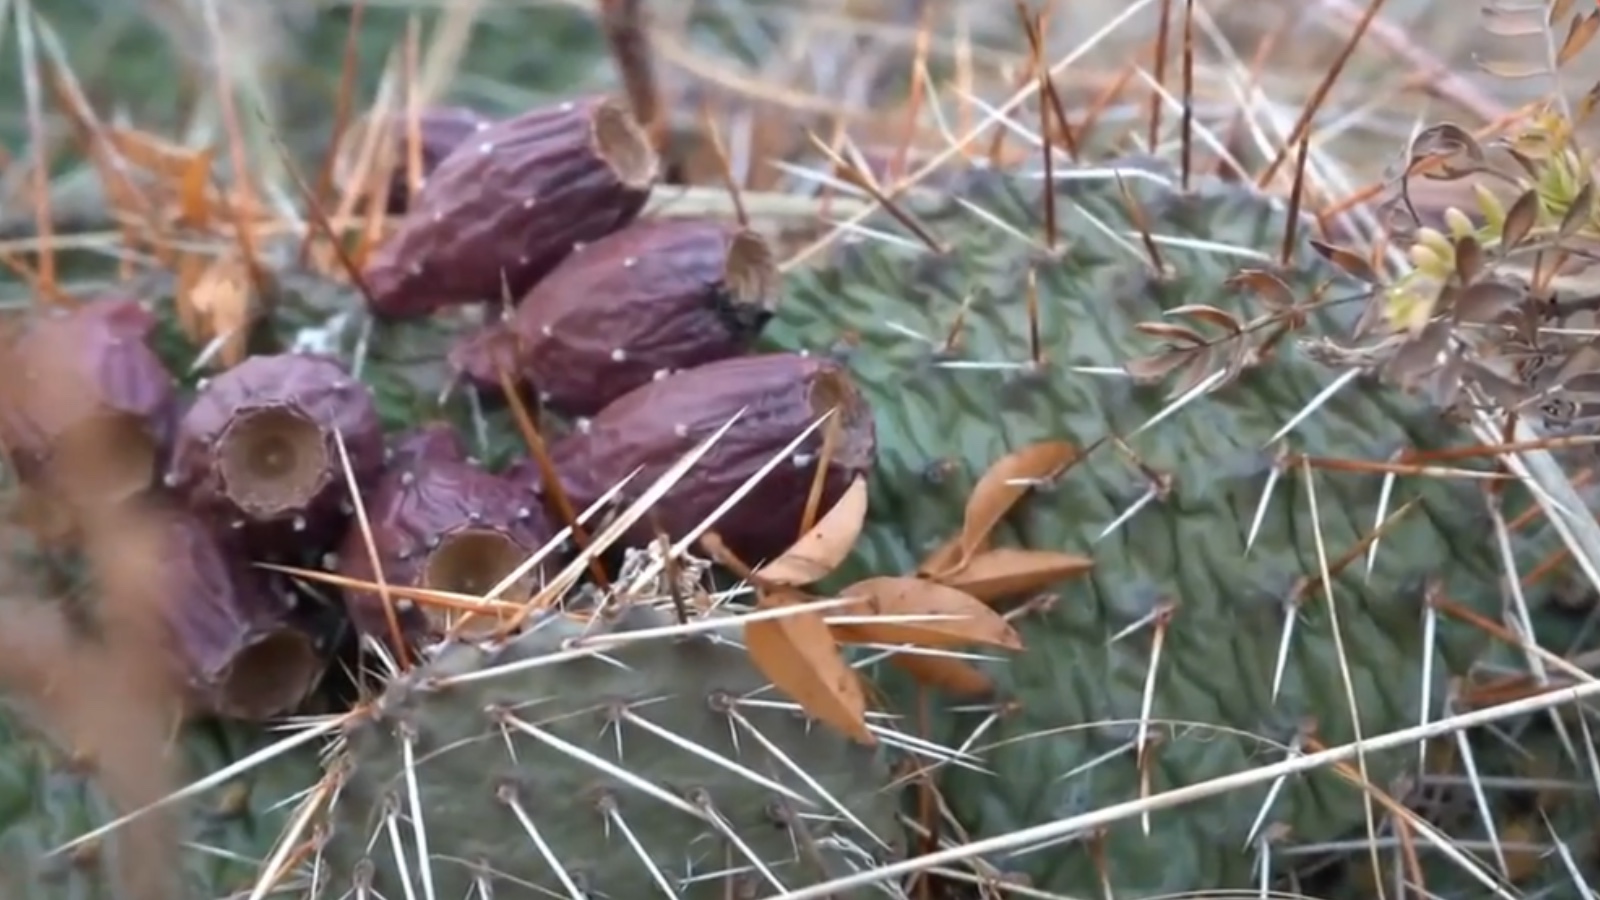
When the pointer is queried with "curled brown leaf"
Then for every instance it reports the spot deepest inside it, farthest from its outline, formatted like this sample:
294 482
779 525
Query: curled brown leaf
1351 263
1012 476
820 550
898 599
1209 314
953 676
799 654
1272 290
1006 572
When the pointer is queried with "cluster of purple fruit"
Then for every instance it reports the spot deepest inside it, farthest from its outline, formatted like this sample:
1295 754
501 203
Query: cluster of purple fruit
639 330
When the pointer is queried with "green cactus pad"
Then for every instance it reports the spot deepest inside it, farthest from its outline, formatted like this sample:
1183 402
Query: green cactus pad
491 792
887 306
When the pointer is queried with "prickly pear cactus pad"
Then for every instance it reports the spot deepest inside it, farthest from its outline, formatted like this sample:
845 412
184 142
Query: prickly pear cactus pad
658 768
1189 652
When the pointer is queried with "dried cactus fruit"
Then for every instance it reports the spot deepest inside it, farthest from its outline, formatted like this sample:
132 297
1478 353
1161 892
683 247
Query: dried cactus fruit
654 426
500 212
238 642
439 521
654 297
504 802
1180 563
258 445
87 414
439 130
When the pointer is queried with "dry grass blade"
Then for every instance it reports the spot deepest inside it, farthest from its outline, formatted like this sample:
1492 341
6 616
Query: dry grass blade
799 655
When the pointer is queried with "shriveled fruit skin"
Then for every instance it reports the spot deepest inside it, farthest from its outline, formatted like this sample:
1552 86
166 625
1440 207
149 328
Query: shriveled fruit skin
310 390
655 297
73 369
428 499
467 765
941 424
654 426
238 641
502 210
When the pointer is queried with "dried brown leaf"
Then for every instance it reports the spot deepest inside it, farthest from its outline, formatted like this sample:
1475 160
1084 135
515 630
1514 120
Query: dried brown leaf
1196 369
1445 139
1579 213
1169 332
194 207
945 558
1557 11
1011 477
944 673
1486 302
1152 369
1580 34
820 550
971 620
1211 315
1584 108
221 299
1005 572
799 655
1351 263
1417 357
1469 258
1520 219
1269 287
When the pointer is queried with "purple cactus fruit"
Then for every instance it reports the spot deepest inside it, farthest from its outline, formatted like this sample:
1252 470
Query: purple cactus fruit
239 646
655 297
656 425
503 209
87 412
440 130
440 522
430 442
258 446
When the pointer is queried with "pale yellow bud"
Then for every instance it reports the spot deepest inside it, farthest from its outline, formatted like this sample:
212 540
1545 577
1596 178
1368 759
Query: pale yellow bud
1434 240
1494 212
1459 223
1427 259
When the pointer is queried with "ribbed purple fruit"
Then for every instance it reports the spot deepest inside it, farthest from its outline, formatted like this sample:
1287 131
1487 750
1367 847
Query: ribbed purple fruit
655 297
239 646
656 425
258 447
504 208
440 130
87 409
438 521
